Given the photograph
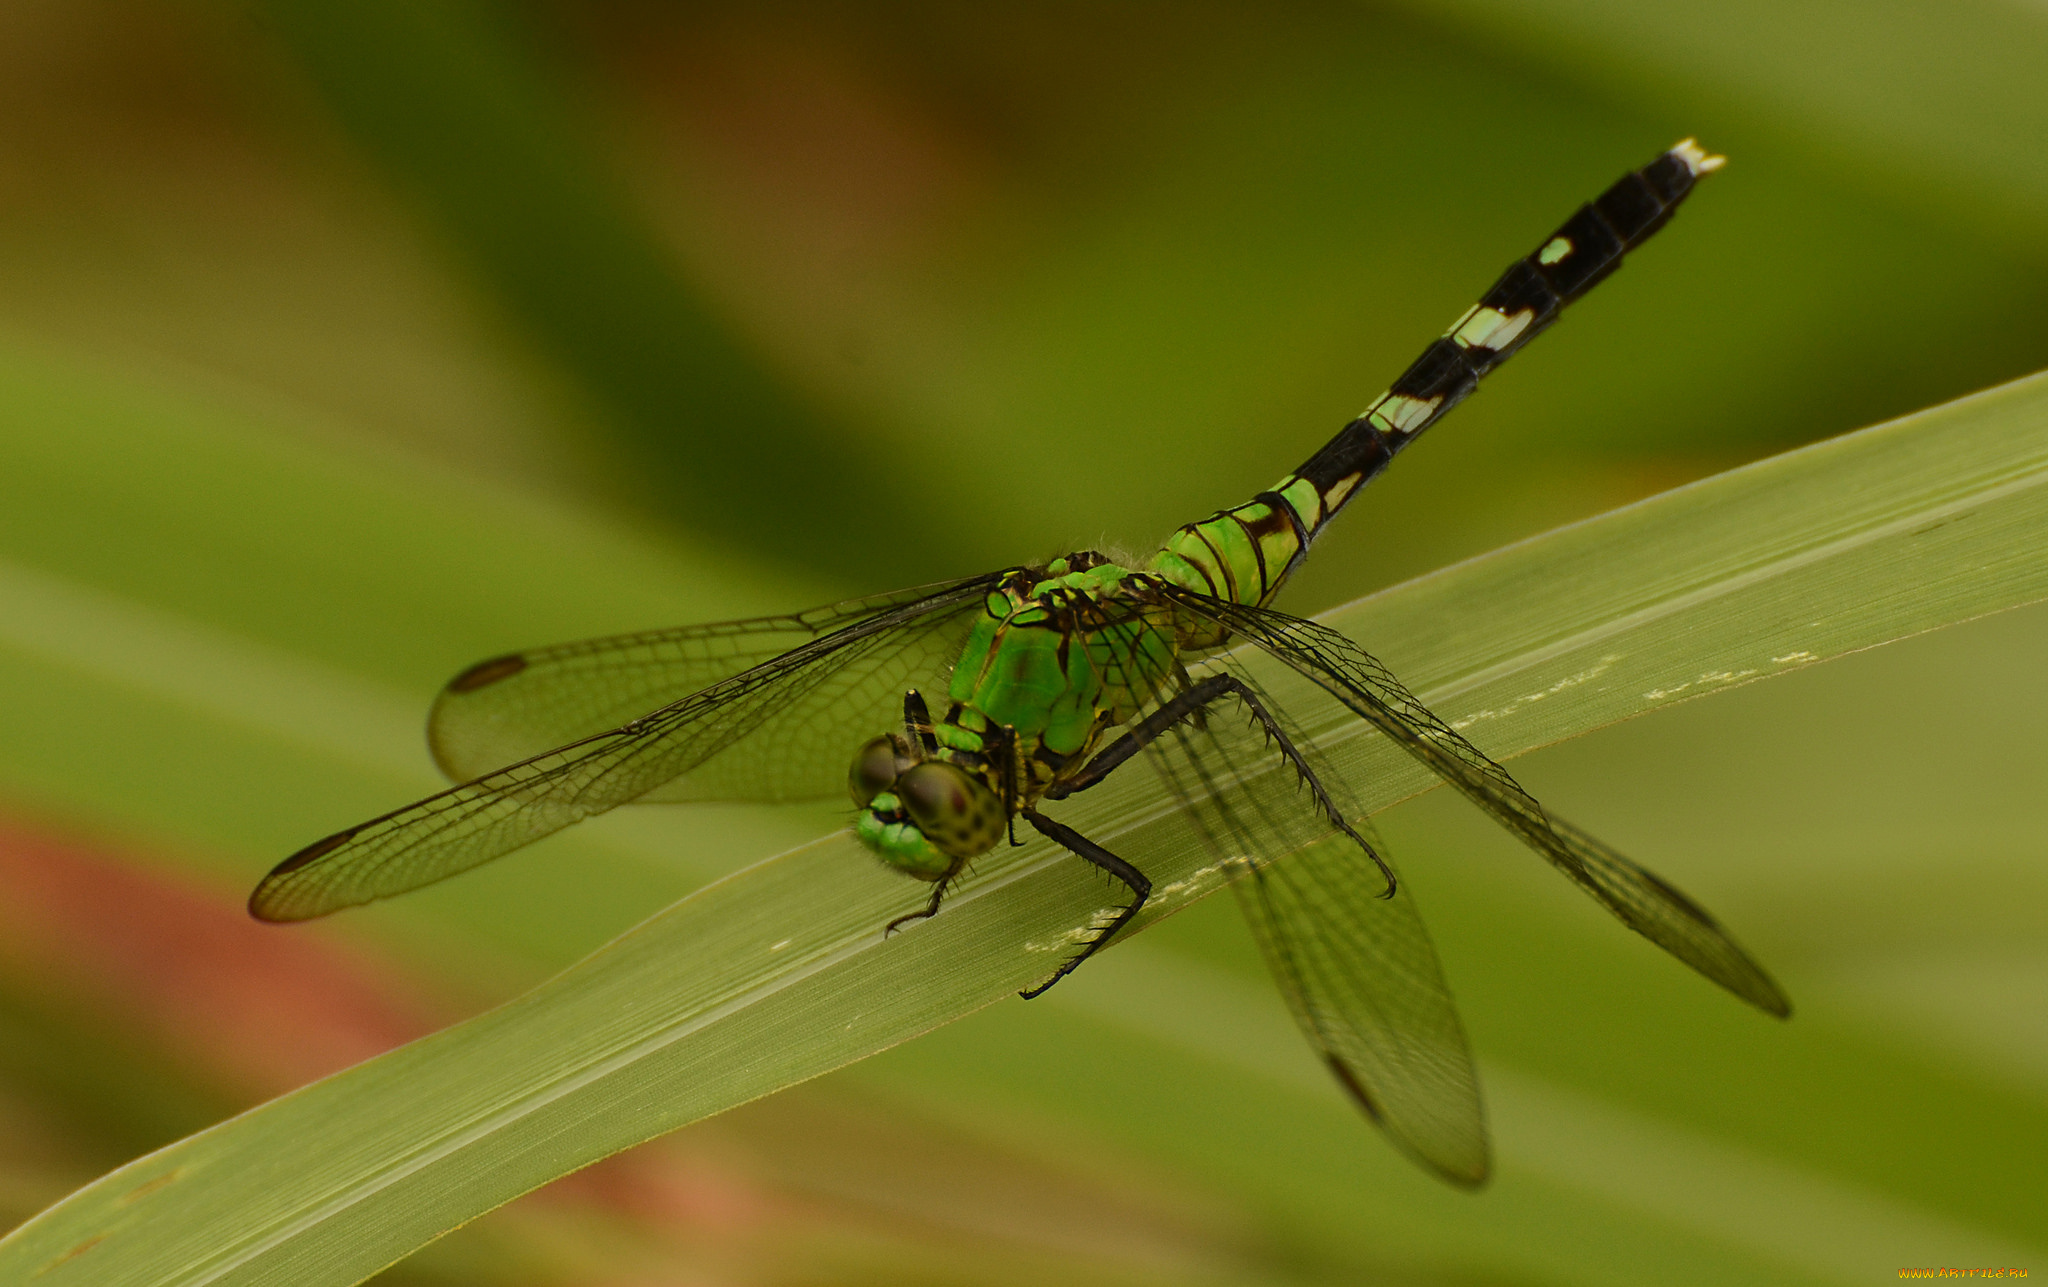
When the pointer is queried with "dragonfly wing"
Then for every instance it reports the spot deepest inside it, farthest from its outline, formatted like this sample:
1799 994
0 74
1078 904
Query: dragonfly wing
1642 901
462 827
1350 956
784 729
1362 978
513 707
1651 906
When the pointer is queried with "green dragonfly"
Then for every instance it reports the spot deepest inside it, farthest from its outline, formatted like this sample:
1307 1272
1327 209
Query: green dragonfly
1054 676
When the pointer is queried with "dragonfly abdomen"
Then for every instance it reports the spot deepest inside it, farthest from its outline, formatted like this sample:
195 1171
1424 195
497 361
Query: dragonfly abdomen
1245 554
1241 555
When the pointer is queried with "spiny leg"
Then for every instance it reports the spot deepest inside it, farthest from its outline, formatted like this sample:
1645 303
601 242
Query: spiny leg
1082 847
931 909
917 723
1188 706
1191 705
1002 750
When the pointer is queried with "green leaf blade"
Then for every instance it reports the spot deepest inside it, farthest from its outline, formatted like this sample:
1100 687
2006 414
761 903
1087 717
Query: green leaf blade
780 972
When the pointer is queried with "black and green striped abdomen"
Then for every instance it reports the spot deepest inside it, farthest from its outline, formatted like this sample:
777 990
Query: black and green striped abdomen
1245 554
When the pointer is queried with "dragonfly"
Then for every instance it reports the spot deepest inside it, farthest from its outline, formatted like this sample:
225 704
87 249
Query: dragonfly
1055 676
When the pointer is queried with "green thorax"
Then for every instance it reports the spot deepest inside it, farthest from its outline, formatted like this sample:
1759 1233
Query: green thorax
1059 654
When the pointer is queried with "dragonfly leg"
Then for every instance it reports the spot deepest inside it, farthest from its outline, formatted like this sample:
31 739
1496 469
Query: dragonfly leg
931 909
917 721
1082 847
998 757
1006 757
1191 704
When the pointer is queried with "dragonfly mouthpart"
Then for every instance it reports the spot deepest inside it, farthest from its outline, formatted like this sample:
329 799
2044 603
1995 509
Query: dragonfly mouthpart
885 827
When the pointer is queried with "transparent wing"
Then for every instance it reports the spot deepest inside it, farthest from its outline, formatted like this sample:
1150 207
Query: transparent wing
784 729
513 707
1349 953
1363 981
1642 901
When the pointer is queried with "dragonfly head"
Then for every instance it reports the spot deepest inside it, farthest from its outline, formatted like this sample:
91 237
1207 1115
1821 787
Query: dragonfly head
922 817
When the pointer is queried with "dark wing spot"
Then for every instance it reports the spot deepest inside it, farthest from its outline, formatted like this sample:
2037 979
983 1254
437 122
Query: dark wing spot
1356 1087
486 673
318 849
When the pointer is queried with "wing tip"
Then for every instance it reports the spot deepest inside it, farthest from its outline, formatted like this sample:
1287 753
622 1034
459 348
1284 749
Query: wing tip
266 902
264 907
1466 1174
267 906
1470 1173
1768 997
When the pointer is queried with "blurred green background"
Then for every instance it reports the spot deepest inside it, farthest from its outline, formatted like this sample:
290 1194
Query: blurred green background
342 344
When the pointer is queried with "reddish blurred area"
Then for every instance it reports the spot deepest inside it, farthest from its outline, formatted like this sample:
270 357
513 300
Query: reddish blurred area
249 1008
139 1003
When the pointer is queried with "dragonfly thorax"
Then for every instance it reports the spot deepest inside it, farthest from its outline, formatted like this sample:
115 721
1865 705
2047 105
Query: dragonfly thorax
1058 655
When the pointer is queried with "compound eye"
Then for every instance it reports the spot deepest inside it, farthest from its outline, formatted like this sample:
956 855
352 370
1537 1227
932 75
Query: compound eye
955 810
876 766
